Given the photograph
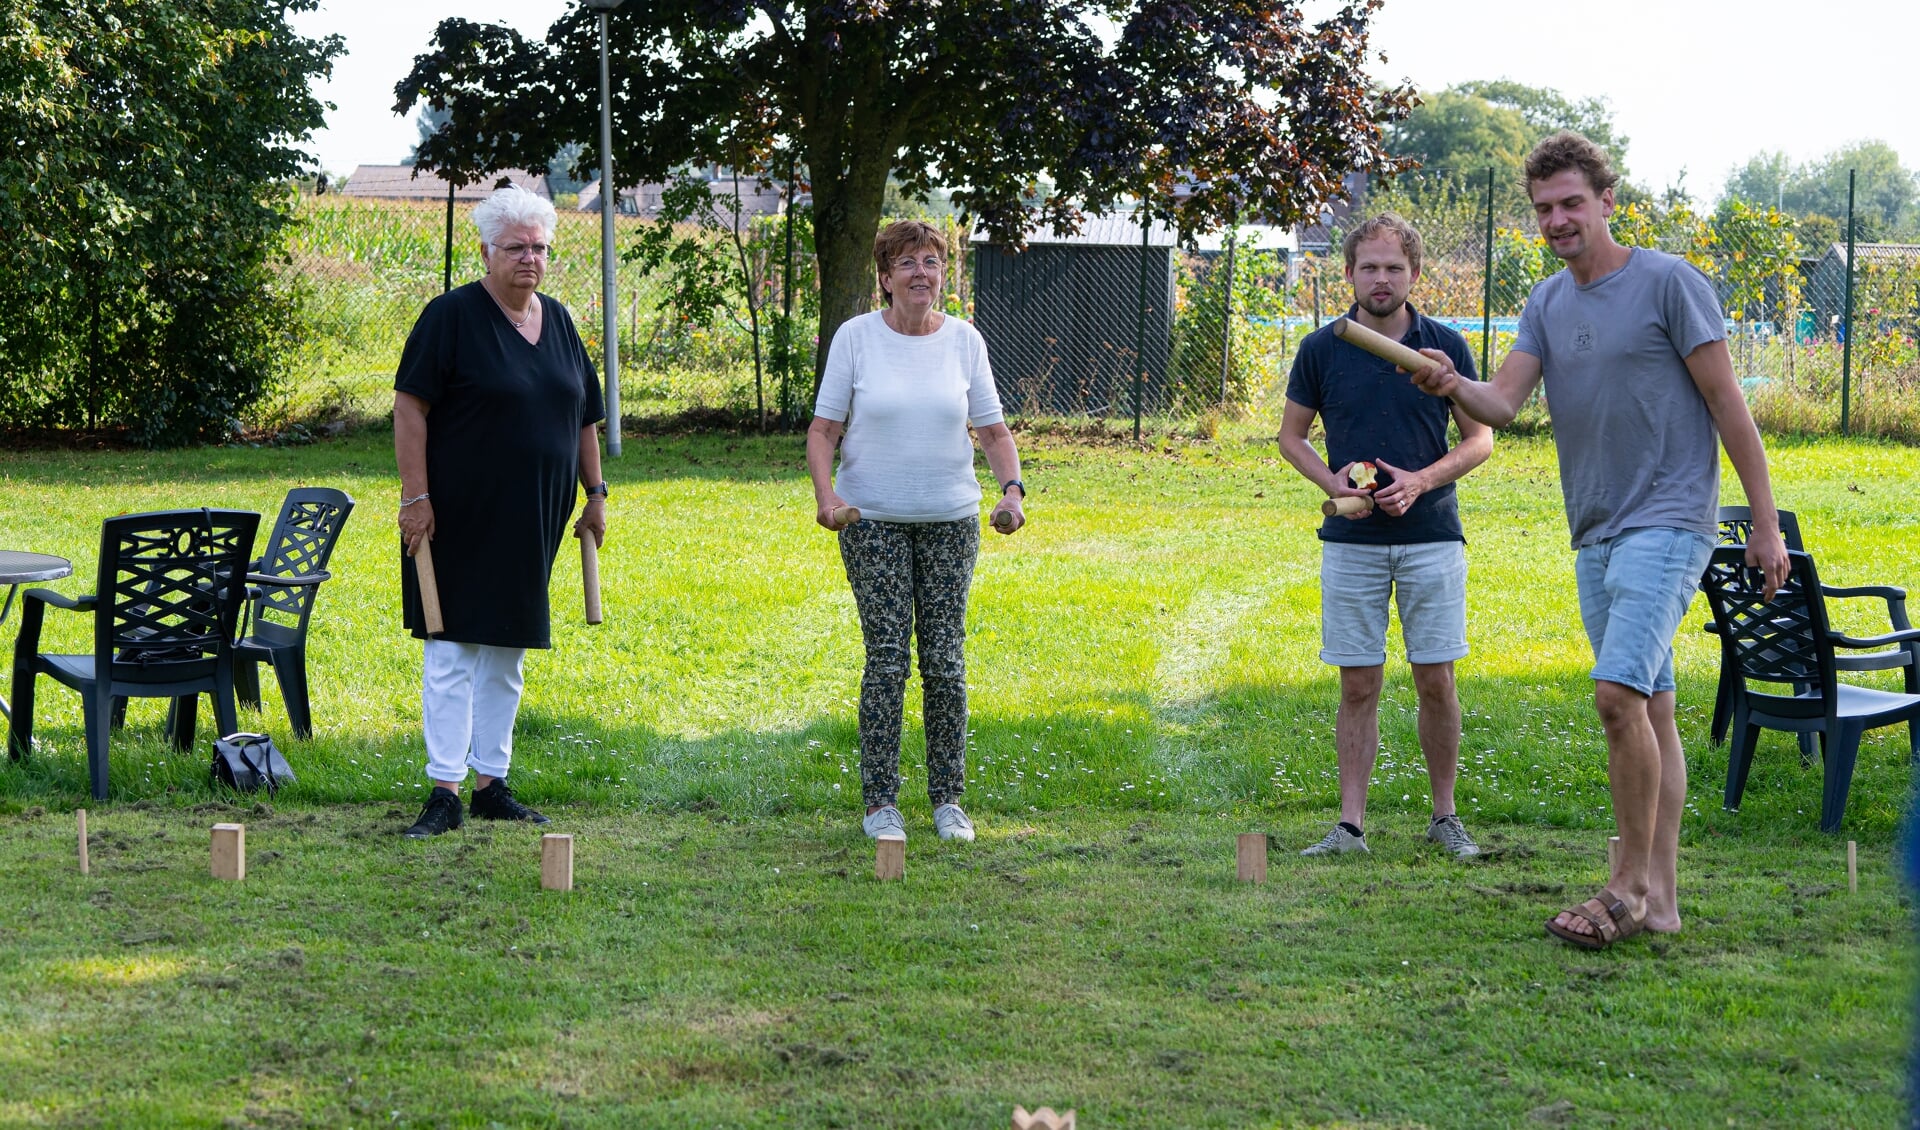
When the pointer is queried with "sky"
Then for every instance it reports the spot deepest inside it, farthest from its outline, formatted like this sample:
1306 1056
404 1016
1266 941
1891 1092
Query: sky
1697 86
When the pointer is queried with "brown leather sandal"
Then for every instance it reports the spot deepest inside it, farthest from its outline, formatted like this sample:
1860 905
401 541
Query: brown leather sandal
1611 922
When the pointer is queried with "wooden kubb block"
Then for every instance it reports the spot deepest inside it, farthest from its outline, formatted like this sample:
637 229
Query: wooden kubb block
890 858
230 852
1250 864
1042 1119
556 861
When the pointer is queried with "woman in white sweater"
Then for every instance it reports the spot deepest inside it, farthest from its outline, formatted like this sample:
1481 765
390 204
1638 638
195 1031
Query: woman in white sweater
901 387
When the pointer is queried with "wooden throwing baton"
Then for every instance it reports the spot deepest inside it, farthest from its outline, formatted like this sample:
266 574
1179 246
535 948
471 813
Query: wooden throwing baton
1347 504
1380 345
590 576
843 516
429 588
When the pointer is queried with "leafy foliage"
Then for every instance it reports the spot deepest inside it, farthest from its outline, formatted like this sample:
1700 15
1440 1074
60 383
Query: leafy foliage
1886 193
1474 125
1204 111
1208 369
147 139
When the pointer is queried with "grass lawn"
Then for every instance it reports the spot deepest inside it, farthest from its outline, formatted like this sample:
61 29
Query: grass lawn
1145 684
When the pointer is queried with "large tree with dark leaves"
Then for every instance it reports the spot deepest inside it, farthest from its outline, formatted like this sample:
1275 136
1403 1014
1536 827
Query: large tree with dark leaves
1203 109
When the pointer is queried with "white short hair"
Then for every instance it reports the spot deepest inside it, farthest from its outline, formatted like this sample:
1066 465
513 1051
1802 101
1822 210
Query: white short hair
512 207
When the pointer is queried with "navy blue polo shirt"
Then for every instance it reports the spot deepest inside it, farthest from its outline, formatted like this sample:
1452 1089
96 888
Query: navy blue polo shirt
1372 411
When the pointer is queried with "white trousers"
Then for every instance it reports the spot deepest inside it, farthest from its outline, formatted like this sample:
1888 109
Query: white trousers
469 696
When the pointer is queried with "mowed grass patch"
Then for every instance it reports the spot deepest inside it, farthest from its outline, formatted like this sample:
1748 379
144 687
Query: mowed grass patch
714 971
1143 661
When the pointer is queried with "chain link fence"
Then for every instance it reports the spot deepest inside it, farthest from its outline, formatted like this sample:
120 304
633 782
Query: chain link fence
364 269
1122 324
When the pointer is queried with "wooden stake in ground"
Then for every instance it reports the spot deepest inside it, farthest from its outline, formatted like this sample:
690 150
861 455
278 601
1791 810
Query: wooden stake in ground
85 867
1251 863
1853 869
556 861
1380 345
890 858
230 852
590 576
1042 1119
429 589
1613 856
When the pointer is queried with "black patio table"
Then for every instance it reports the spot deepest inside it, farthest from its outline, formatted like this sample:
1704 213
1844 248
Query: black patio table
18 568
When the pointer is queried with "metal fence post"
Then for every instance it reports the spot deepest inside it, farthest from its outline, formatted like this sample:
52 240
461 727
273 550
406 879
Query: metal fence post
609 208
1140 321
1846 318
1486 290
1226 316
446 271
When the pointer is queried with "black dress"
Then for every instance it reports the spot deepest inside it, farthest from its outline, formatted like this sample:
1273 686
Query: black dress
503 461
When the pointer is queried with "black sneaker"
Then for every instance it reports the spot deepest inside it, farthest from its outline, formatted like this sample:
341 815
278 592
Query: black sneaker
495 802
442 814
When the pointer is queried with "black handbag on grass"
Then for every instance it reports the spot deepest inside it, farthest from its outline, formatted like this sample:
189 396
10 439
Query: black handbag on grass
244 762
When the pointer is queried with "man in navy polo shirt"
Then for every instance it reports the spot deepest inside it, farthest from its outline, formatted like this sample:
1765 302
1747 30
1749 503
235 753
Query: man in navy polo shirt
1409 548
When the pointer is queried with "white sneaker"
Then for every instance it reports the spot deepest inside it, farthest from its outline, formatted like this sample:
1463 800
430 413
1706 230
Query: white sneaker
884 822
1338 842
952 823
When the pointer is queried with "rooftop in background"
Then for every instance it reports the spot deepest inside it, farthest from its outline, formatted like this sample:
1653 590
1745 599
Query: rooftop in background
1097 231
398 182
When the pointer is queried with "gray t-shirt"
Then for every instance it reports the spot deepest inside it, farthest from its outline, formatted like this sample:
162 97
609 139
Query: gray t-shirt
1637 444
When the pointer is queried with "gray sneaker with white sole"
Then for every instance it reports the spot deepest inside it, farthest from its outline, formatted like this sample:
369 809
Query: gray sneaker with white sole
1338 842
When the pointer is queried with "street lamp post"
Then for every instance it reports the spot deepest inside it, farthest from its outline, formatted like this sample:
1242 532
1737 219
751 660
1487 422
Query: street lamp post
609 204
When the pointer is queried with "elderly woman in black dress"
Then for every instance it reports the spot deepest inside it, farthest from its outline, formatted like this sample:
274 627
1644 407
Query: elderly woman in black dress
494 413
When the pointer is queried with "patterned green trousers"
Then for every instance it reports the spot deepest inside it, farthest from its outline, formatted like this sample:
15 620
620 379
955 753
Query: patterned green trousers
911 580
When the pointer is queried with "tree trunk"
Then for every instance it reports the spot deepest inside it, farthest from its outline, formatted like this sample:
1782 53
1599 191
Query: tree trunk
846 217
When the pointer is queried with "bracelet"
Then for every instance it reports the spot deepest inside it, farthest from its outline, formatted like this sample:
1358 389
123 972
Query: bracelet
1010 484
421 497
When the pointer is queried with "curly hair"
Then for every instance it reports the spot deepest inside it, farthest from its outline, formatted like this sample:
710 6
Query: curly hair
905 237
1569 150
510 207
1386 223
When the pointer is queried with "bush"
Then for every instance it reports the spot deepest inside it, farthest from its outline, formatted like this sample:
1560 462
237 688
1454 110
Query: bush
146 145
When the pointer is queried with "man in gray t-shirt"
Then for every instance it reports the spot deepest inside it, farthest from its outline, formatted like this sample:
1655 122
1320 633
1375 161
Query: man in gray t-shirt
1632 346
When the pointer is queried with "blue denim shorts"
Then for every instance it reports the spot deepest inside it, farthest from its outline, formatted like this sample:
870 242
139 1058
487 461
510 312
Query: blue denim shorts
1427 580
1634 591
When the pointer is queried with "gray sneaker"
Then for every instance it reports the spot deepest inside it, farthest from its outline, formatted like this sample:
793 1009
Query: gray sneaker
1449 833
952 823
1338 842
885 822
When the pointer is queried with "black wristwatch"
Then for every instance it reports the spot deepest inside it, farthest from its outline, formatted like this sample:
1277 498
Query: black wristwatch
598 491
1010 484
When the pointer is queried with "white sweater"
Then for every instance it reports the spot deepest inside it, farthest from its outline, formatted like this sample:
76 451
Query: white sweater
907 401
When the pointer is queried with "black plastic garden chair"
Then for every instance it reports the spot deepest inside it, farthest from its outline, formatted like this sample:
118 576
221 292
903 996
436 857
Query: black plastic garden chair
285 582
1736 526
1736 522
167 596
1788 642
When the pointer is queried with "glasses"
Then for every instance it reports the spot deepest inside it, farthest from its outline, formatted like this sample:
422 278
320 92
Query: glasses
526 250
931 264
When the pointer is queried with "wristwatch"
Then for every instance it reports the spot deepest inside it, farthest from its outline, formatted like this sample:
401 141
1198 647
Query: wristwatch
599 492
1010 484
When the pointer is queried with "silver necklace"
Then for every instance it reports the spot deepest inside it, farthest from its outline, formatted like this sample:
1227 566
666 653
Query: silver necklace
522 323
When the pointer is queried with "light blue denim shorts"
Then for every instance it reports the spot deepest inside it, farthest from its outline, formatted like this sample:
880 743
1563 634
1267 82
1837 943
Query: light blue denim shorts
1634 591
1427 580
